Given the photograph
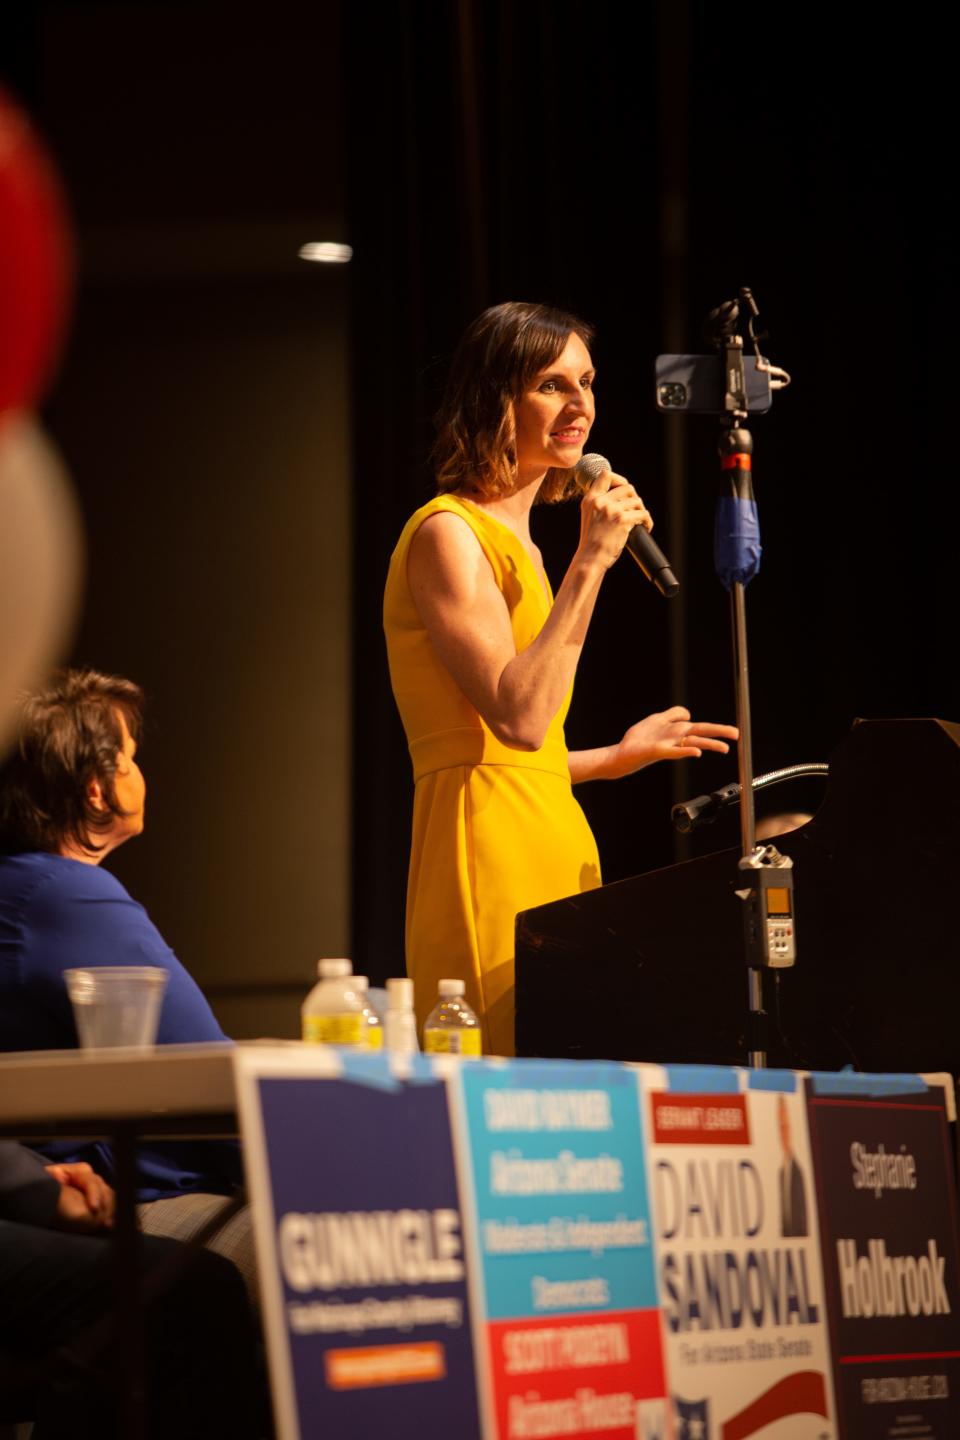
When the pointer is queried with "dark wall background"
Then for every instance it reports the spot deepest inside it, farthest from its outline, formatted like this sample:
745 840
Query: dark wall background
201 406
636 164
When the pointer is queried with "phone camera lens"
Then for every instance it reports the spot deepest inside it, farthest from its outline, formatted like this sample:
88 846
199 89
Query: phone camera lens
672 396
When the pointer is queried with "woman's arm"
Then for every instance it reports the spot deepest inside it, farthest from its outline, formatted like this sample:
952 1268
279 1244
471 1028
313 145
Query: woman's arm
468 622
669 735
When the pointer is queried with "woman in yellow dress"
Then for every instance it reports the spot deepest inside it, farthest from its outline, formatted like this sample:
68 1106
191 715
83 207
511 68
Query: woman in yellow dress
483 656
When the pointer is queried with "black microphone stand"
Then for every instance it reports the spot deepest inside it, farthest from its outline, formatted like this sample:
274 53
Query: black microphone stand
766 881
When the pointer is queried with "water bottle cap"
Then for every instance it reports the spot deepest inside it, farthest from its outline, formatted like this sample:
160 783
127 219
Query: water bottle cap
334 969
400 993
452 987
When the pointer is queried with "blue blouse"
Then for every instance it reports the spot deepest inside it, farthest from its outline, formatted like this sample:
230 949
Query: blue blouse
55 914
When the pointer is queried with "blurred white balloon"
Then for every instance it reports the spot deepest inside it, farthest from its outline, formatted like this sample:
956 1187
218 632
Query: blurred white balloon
41 558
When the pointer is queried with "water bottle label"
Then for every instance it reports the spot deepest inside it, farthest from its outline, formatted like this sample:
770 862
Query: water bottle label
334 1029
374 1037
452 1042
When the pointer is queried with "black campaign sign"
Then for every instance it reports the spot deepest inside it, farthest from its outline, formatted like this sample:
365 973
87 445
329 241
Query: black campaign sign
891 1274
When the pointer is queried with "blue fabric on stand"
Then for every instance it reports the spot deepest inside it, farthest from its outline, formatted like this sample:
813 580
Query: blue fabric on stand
736 540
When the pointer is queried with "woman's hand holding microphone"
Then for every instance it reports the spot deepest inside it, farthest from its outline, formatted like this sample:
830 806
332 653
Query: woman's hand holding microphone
609 511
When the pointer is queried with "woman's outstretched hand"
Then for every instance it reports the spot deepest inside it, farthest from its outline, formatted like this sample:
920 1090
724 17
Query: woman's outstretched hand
668 735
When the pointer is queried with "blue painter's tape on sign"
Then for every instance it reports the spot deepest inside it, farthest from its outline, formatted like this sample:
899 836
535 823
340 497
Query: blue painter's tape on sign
420 1070
782 1080
364 1068
591 1074
702 1079
852 1083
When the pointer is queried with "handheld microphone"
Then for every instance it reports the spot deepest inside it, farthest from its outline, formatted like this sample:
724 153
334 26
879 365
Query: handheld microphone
640 542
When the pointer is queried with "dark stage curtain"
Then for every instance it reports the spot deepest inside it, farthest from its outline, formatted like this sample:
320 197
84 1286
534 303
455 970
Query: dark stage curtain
637 169
476 136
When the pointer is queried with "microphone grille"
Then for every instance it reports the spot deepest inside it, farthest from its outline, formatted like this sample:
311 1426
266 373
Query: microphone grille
591 467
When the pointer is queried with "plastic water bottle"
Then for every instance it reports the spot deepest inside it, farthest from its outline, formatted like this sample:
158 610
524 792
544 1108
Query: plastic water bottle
400 1023
452 1028
374 1036
332 1013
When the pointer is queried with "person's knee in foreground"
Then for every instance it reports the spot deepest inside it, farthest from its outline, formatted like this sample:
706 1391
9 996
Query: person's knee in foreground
57 1321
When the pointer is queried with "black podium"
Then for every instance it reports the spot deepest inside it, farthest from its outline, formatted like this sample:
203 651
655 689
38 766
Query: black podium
652 968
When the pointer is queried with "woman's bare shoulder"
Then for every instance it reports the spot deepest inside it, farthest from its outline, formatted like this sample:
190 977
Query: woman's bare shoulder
446 559
442 533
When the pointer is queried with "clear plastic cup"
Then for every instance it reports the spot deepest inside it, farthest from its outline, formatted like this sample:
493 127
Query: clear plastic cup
116 1004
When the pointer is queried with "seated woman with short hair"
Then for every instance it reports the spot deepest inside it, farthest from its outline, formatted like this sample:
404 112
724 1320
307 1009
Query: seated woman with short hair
71 791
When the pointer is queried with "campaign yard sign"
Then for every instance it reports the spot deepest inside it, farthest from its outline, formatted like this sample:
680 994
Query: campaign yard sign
566 1255
360 1245
888 1226
738 1265
521 1250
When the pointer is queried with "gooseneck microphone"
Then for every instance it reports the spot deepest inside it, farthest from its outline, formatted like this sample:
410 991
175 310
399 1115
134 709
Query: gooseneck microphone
640 542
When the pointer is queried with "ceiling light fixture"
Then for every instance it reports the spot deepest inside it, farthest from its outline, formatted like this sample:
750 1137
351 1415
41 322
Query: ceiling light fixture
327 252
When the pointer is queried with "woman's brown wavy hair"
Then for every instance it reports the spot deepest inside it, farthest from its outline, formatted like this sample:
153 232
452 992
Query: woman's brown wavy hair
495 362
67 735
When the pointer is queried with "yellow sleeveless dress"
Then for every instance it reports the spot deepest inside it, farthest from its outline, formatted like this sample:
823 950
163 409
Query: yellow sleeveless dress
495 830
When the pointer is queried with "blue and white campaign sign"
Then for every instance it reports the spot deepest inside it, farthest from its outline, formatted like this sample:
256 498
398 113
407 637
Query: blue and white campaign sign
560 1183
524 1250
566 1251
360 1245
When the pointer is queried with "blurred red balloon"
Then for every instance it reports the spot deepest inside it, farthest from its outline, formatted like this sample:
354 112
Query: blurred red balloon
35 260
